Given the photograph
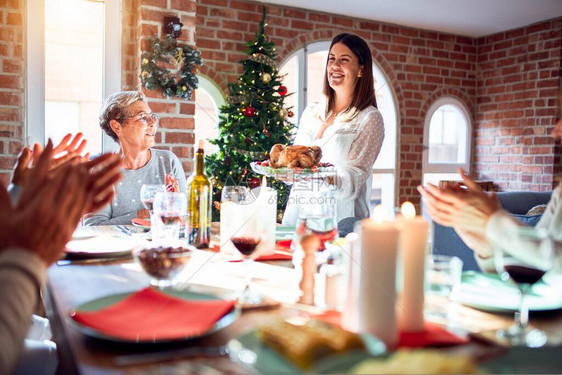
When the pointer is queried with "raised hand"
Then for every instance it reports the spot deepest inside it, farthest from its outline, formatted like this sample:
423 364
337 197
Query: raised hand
171 183
68 150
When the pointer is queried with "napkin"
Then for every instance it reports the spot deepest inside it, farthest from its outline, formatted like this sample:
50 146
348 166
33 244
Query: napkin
433 334
149 315
142 222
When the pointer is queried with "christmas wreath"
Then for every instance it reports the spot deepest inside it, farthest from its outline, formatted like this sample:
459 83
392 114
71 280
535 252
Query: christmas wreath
154 74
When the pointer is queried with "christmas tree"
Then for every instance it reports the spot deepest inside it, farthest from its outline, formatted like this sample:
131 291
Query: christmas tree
252 121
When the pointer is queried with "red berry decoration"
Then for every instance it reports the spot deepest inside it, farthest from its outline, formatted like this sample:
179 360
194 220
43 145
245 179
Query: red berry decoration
282 90
249 111
254 182
290 114
244 172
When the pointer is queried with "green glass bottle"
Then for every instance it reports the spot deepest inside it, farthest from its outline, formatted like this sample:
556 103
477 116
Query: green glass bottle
199 197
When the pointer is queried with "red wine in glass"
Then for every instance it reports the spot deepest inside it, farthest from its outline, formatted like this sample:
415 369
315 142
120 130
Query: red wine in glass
246 245
170 219
148 204
524 274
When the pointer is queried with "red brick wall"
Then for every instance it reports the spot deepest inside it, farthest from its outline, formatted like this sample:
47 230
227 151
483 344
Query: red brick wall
11 84
420 65
518 77
176 115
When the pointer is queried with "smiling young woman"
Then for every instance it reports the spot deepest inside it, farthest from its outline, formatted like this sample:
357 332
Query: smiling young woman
346 125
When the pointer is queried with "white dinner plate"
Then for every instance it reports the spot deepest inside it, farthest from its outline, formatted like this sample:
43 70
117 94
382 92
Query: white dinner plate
489 293
102 246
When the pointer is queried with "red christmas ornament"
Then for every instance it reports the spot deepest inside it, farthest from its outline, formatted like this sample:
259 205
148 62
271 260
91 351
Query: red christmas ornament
282 90
254 182
266 133
249 111
244 172
290 114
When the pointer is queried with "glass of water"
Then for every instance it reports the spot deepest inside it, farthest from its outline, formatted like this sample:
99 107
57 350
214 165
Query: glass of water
443 279
169 214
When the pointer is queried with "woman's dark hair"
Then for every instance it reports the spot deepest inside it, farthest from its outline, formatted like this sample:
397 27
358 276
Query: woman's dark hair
364 93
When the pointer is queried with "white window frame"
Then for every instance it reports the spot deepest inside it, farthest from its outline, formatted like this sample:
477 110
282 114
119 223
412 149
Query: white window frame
446 167
35 53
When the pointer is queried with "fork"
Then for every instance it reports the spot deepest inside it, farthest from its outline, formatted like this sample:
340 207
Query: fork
125 230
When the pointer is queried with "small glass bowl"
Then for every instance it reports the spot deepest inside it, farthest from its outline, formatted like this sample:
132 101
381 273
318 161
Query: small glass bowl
163 264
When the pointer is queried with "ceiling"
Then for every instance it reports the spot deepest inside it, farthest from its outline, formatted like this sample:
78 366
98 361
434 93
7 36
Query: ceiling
474 18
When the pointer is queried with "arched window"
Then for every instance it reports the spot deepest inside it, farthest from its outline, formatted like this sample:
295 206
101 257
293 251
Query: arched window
209 99
447 140
304 71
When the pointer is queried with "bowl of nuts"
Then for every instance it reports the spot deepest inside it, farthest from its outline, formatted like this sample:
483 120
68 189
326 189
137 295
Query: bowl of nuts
163 264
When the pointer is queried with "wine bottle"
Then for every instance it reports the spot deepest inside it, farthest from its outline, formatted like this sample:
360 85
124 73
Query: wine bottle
199 197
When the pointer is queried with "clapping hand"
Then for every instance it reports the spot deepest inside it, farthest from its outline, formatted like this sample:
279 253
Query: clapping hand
67 150
171 183
53 201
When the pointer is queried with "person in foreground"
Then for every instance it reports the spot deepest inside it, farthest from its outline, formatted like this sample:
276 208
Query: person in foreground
33 233
480 221
128 120
346 125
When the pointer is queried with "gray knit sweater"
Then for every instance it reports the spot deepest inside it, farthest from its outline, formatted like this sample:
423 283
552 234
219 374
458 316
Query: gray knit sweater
127 202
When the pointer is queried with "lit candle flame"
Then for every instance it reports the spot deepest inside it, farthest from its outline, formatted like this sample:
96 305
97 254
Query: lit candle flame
378 214
408 210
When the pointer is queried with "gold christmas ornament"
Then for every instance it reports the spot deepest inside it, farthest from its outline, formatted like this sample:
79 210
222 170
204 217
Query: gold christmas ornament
144 61
184 88
144 74
283 113
266 77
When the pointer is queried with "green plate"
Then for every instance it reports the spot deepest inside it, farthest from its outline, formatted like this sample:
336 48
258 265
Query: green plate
521 360
103 302
250 350
488 292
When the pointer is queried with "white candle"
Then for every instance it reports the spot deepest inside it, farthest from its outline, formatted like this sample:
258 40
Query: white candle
267 217
413 239
350 314
377 289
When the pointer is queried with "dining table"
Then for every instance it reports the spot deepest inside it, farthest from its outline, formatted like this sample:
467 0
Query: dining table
75 281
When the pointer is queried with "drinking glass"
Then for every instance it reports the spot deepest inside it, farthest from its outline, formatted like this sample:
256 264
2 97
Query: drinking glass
524 264
169 212
230 215
316 218
246 240
234 194
147 194
443 278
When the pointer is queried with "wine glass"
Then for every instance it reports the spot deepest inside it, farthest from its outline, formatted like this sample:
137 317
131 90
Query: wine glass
147 194
246 240
525 264
169 212
316 224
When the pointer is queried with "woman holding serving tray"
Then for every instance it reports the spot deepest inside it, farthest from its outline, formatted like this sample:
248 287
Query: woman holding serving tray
128 120
347 126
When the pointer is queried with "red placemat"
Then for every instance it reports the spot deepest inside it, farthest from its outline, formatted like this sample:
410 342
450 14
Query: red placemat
151 315
433 334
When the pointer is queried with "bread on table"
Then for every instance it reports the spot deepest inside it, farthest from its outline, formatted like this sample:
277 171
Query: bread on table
294 156
304 345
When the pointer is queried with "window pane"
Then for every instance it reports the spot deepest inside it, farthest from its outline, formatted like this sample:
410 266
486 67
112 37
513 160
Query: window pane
206 119
290 71
448 135
383 192
385 104
316 66
74 33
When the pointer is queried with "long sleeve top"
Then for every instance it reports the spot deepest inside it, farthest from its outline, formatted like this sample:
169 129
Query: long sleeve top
127 201
352 147
22 274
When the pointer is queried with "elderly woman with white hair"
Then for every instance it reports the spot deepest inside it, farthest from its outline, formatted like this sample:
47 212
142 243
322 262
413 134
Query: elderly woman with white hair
127 118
